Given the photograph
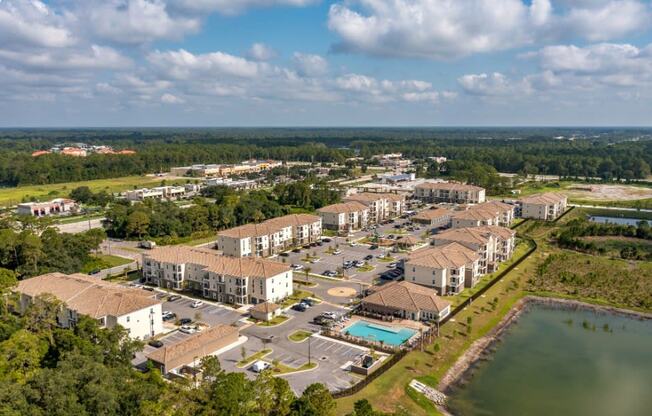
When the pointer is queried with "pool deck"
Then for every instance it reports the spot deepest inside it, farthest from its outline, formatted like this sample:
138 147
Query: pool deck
396 323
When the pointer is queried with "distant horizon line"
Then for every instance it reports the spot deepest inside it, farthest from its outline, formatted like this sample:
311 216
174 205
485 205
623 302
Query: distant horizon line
398 127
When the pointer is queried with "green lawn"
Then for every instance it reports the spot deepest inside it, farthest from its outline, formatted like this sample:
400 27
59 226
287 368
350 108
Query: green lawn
104 261
13 196
78 218
299 335
281 368
277 320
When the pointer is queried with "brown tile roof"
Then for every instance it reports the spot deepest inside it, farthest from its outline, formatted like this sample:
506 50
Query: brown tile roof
406 296
270 226
344 207
225 265
474 235
544 199
453 255
484 211
265 307
408 239
88 295
431 214
191 346
450 186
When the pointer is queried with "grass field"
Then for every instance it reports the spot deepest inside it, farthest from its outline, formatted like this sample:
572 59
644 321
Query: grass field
13 196
104 261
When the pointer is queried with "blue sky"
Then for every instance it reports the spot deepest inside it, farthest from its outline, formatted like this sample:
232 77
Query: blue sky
325 63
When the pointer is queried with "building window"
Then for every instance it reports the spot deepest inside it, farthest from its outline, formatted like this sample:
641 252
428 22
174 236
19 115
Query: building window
128 318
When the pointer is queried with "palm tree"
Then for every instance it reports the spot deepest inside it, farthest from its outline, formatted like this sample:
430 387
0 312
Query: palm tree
307 271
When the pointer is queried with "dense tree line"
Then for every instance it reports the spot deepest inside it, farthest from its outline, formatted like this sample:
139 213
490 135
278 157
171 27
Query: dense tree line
230 208
605 153
84 195
33 251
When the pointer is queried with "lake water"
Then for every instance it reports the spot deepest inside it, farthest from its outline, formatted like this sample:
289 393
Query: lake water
559 362
617 220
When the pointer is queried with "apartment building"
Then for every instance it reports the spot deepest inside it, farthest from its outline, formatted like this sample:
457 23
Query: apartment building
160 192
43 209
492 243
406 300
138 311
487 213
447 268
547 207
270 237
449 192
238 281
382 206
436 218
345 217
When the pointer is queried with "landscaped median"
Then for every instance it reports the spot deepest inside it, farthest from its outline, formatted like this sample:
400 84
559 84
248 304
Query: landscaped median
299 335
277 320
253 357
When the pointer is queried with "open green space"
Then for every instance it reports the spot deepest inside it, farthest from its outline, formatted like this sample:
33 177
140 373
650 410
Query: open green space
13 196
103 261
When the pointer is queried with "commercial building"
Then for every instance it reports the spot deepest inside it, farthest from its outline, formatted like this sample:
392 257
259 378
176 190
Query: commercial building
547 207
160 192
382 206
226 279
43 209
398 178
493 244
447 268
138 311
271 236
235 184
487 213
190 351
344 217
436 218
406 300
224 170
449 192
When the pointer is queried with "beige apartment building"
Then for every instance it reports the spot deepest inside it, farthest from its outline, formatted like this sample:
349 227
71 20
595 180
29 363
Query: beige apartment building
449 192
226 279
270 237
345 217
382 206
138 311
487 213
436 218
493 244
547 207
447 268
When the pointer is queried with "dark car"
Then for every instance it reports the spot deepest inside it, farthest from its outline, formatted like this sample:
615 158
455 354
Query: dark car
319 243
309 301
301 307
326 240
284 254
373 247
151 289
296 250
94 271
173 298
170 316
185 321
368 257
306 246
155 343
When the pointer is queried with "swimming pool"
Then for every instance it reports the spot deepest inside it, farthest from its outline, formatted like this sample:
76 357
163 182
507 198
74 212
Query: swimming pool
379 333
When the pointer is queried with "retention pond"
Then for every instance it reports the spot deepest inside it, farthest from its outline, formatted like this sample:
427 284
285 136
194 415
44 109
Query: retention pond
563 362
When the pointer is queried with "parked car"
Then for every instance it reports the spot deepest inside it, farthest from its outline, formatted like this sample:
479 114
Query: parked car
368 257
297 267
196 304
155 343
373 247
359 263
149 288
168 316
306 246
315 260
329 273
326 240
347 264
392 265
185 321
353 244
147 244
260 366
187 329
330 315
94 271
300 307
284 254
173 298
319 243
337 252
309 301
296 250
398 226
314 244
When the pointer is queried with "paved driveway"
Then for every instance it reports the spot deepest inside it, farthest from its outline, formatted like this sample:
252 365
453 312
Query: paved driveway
210 314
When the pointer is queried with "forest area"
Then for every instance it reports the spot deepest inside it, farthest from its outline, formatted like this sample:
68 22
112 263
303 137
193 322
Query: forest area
609 154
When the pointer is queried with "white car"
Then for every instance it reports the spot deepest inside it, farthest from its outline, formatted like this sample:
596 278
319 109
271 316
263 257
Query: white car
315 260
260 366
330 315
196 304
187 329
337 252
297 267
353 244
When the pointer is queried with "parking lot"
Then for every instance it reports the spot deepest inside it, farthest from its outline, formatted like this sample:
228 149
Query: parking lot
209 313
352 250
